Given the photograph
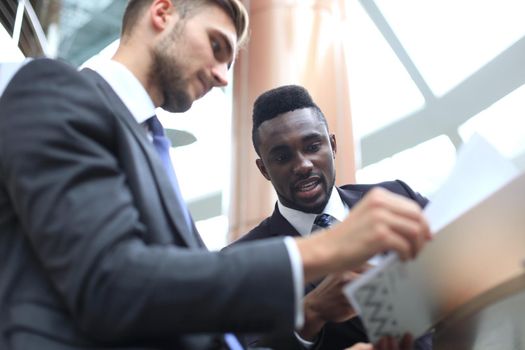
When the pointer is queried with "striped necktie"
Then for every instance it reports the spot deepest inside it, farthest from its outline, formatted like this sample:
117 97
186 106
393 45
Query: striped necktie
323 221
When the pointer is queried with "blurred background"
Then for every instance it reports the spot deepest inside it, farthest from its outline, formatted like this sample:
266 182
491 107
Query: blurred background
403 85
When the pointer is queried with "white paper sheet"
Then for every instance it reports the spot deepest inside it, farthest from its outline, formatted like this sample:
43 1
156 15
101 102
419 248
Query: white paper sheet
479 171
394 297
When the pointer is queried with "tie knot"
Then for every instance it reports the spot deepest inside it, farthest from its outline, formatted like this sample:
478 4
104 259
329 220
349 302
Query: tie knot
155 126
323 220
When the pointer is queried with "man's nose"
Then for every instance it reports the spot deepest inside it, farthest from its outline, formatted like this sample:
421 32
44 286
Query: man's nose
220 74
303 165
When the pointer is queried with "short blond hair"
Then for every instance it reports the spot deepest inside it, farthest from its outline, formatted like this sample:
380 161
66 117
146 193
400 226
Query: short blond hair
239 16
234 8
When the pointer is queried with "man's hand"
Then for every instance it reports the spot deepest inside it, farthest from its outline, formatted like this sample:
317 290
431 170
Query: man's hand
385 221
380 222
361 346
328 303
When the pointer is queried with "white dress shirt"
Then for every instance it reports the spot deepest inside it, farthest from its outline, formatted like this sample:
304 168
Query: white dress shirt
303 222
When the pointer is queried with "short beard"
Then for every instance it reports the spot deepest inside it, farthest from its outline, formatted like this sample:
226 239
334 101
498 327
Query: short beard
318 209
167 73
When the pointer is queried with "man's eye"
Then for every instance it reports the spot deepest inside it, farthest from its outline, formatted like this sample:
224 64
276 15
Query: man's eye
313 147
281 158
215 45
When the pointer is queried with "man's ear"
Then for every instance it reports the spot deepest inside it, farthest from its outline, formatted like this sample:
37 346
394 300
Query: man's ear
161 13
333 143
262 168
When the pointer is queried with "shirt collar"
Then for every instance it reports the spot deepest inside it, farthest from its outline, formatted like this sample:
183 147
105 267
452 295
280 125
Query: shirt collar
128 88
303 222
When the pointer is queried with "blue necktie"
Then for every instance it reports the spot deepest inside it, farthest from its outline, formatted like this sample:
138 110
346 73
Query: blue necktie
323 221
232 342
162 146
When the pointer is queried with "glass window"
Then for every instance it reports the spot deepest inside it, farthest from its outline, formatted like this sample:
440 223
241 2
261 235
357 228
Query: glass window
422 167
381 91
405 59
449 40
502 124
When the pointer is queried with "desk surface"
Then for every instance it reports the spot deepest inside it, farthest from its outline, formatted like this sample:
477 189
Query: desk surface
493 320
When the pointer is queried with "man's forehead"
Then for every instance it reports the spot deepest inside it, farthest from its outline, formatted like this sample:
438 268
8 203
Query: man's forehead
294 121
279 135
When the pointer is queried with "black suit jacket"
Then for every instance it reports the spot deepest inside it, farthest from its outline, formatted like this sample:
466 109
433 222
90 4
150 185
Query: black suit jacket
91 251
334 335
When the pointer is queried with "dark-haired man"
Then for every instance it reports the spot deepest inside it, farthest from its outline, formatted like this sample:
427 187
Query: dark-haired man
290 134
97 248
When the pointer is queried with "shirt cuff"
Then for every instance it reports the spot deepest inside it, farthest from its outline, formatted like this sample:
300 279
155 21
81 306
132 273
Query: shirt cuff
298 279
305 343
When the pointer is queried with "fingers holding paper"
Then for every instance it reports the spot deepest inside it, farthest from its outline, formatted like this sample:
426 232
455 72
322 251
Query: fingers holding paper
387 221
382 221
327 303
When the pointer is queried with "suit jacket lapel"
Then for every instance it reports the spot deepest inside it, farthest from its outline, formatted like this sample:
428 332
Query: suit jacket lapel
280 226
349 197
157 169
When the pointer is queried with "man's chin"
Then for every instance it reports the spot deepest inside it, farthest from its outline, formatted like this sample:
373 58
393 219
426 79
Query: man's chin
178 107
314 207
312 203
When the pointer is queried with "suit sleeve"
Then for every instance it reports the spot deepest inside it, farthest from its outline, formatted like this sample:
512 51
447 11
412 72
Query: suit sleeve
421 200
59 163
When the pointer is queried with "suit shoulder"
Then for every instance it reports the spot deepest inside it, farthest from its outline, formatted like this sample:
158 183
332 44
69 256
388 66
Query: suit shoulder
258 232
45 77
46 66
54 98
396 186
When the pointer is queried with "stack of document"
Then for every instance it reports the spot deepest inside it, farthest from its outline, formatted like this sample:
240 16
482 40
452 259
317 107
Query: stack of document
478 221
